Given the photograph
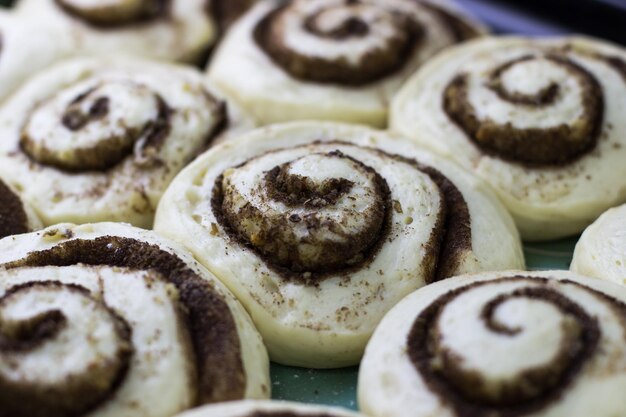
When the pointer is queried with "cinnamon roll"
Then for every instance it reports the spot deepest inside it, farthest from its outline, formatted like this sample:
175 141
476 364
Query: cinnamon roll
320 228
538 119
100 139
500 344
331 59
109 320
268 409
16 216
27 45
600 251
175 30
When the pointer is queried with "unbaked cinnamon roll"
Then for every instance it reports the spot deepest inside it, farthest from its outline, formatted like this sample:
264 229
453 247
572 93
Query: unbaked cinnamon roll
109 320
28 45
267 409
331 59
320 228
16 216
175 30
100 139
600 251
500 344
538 119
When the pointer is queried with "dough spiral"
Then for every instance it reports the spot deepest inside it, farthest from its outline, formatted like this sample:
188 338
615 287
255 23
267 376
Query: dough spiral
538 119
108 320
100 139
500 344
331 59
15 216
320 228
268 409
173 30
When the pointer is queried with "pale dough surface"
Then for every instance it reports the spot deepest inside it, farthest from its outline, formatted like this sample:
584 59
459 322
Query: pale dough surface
327 325
130 190
547 203
390 385
246 72
253 352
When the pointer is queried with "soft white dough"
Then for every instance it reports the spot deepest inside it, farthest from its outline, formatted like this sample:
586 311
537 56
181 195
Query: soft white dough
248 408
246 72
547 203
391 386
130 190
150 388
253 352
29 45
601 250
328 325
185 35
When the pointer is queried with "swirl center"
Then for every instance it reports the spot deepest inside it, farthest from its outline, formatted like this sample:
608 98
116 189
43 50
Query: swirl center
504 110
40 324
350 42
93 127
317 213
491 361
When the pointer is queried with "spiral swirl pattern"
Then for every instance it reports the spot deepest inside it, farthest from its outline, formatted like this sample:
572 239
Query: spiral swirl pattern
513 345
116 12
132 325
41 322
99 125
350 42
325 215
564 88
311 52
268 409
324 211
535 118
105 137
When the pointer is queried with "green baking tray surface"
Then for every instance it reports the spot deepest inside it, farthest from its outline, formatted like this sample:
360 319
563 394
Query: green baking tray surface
338 386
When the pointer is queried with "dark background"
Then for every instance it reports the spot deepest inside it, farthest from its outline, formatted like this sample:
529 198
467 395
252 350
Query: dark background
602 18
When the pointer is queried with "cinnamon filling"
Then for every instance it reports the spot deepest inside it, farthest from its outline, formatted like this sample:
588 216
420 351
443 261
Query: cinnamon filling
90 113
558 145
472 394
13 218
221 375
78 393
308 228
354 24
